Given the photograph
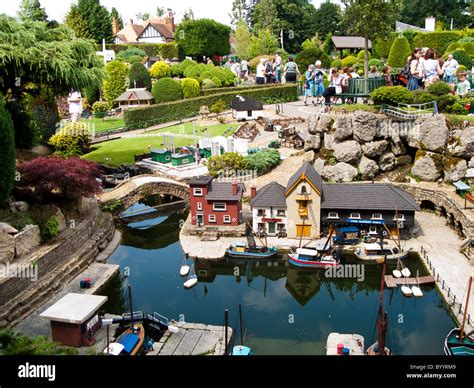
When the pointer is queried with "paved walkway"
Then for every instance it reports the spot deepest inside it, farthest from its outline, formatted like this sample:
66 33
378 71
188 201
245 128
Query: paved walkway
442 246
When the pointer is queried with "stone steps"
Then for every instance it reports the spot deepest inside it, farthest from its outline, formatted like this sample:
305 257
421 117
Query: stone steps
34 297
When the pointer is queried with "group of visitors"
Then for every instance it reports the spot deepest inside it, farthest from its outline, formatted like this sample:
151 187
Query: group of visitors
274 71
424 68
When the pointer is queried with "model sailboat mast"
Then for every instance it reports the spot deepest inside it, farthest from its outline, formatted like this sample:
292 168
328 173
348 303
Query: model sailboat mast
462 336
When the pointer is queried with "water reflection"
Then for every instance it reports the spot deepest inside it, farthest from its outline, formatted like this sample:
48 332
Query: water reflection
288 310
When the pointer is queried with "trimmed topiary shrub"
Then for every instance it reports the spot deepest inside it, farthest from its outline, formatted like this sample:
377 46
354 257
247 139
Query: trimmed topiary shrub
376 62
337 63
469 48
217 81
115 82
7 153
399 52
439 88
72 140
438 40
100 109
361 55
208 84
310 56
193 71
349 61
453 46
187 62
166 90
160 69
190 88
176 71
139 77
392 95
422 97
129 53
463 58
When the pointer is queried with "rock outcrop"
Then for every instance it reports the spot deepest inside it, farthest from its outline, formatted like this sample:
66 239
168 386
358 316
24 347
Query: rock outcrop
7 248
341 172
347 152
28 239
428 166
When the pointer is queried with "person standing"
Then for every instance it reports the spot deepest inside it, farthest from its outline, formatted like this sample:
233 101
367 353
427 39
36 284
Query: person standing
244 67
260 76
277 67
309 85
449 70
335 87
386 76
269 72
431 68
416 72
291 71
318 81
75 105
463 86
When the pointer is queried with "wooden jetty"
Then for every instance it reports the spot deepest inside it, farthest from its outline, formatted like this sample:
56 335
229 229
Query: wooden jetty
392 282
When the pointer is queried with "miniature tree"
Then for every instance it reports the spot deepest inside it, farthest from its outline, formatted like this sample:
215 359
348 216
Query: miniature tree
399 52
218 107
7 154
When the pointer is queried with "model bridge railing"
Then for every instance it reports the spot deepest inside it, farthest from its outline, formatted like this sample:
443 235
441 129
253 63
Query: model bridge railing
411 111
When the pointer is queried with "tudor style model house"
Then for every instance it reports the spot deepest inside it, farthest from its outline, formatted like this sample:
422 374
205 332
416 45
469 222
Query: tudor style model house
215 203
269 209
155 30
313 207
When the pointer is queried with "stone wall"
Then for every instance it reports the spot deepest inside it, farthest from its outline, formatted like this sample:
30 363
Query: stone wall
56 264
362 145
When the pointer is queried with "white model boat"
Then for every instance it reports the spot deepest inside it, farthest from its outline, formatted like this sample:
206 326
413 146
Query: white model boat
417 293
375 252
192 280
406 291
184 271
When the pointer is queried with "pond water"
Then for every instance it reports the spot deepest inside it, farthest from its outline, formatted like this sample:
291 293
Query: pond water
286 310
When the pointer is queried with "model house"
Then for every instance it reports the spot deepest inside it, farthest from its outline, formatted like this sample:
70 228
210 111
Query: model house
135 98
246 108
313 207
154 30
269 209
215 203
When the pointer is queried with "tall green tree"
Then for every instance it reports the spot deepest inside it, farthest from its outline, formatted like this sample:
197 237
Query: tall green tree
30 10
296 18
203 37
114 13
239 12
115 81
143 15
160 11
328 18
415 11
90 19
7 153
264 43
370 19
243 38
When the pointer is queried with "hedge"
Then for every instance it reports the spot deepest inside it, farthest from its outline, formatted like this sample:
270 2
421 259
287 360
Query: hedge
162 113
438 40
399 52
239 89
392 95
163 50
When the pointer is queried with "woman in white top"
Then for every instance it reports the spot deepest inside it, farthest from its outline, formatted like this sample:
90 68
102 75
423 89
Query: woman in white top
416 72
261 72
334 88
449 69
431 68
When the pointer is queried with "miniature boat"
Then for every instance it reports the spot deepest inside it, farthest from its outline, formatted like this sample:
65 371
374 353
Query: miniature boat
417 293
401 271
311 258
458 342
375 252
406 291
184 271
241 250
241 350
192 279
132 340
345 344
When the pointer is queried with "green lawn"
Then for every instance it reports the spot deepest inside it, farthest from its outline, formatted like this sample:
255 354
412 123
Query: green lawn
188 129
108 124
121 151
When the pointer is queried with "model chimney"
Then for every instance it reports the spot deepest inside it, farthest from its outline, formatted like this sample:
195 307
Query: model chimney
169 21
430 24
253 191
131 22
235 187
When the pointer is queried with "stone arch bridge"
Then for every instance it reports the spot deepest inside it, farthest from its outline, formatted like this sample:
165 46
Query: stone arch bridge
139 187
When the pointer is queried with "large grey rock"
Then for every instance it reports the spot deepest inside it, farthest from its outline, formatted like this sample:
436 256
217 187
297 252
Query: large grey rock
329 141
319 165
471 163
347 152
7 228
428 166
19 206
463 143
313 142
312 124
341 172
387 162
28 239
7 248
364 126
396 144
309 156
430 133
374 148
325 123
343 127
454 169
368 168
49 211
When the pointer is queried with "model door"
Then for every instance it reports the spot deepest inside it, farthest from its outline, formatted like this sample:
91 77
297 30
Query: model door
271 228
303 230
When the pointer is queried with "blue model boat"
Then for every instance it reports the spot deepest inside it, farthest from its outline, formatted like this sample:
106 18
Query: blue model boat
241 250
241 350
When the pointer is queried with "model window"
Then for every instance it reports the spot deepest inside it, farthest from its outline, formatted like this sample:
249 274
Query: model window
261 213
281 213
199 205
198 192
219 207
303 190
355 216
401 217
226 219
281 226
377 216
333 215
373 229
212 218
